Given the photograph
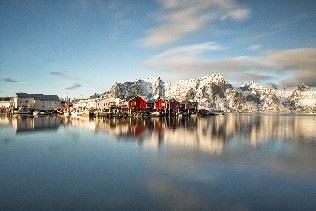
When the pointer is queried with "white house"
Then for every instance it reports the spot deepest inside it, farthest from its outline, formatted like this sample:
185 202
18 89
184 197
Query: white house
82 104
106 103
122 103
36 101
5 102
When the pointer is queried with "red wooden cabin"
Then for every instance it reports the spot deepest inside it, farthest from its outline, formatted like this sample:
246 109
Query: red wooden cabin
160 104
137 103
188 105
173 105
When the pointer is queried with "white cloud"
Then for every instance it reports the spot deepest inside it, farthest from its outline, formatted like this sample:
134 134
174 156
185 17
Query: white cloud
189 50
254 47
179 18
297 64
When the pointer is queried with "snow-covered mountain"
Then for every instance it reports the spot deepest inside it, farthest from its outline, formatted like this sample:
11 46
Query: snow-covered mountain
302 99
214 92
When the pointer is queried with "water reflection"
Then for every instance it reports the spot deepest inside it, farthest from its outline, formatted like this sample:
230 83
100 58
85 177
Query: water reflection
24 124
203 134
230 162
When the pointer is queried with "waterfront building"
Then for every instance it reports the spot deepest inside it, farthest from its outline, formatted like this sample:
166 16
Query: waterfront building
5 102
137 102
160 104
106 103
173 105
188 106
36 101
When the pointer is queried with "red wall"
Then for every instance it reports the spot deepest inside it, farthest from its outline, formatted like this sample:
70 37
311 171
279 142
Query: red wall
160 104
174 105
137 103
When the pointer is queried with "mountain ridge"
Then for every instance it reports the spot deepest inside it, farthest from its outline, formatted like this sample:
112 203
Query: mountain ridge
214 92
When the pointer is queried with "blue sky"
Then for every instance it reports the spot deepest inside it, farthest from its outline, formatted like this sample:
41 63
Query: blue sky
77 48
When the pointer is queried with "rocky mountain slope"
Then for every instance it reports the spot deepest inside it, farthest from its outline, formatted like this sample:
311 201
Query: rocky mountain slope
214 92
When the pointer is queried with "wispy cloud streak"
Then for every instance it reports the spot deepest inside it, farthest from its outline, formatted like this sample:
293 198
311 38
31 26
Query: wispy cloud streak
59 74
74 86
9 80
179 18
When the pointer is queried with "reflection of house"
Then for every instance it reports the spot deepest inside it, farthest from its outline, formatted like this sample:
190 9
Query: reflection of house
35 124
137 103
137 130
36 101
5 102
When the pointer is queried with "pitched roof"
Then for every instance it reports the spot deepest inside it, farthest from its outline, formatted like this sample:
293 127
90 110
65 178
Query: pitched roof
5 98
38 96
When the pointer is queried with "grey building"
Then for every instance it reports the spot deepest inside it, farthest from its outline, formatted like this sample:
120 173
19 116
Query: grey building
36 101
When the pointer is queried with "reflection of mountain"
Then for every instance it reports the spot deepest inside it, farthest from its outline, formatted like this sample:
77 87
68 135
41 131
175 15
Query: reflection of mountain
207 135
211 134
35 124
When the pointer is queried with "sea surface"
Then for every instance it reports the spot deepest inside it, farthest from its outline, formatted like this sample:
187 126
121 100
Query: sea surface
224 162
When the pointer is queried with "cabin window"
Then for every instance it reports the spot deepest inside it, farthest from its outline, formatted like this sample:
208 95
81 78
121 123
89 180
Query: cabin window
21 101
163 104
26 101
133 103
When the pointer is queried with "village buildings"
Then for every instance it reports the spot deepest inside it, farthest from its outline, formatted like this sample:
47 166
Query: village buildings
36 101
83 104
137 102
100 105
5 102
106 104
173 105
160 105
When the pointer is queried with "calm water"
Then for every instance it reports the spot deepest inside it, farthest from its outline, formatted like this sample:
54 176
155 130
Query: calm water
229 162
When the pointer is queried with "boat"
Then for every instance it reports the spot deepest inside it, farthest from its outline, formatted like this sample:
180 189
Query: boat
22 111
40 113
80 114
155 114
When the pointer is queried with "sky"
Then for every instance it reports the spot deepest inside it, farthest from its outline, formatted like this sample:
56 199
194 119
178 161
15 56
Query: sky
78 48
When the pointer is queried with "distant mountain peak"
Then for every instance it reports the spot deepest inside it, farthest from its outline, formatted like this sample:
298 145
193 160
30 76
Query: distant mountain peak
303 87
214 92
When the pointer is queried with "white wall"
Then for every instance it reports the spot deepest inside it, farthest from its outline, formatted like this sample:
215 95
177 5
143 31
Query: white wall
5 104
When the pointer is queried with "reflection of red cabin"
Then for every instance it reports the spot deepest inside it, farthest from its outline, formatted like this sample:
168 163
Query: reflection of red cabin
160 104
137 103
137 129
159 126
173 105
